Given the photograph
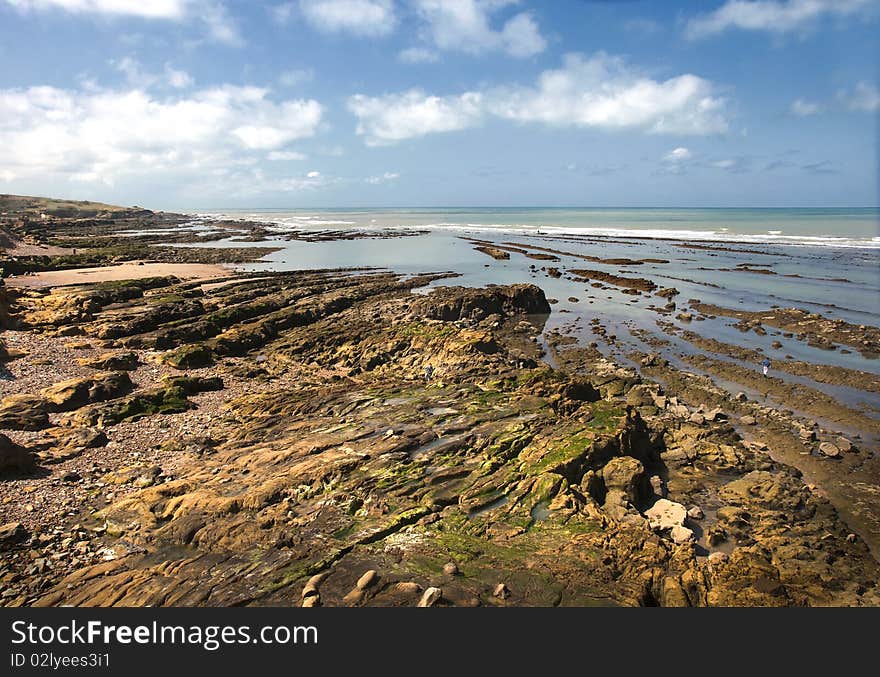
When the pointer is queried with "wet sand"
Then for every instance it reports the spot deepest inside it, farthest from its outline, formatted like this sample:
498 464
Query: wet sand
126 271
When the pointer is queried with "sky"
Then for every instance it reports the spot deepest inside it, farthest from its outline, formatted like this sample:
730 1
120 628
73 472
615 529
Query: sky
212 104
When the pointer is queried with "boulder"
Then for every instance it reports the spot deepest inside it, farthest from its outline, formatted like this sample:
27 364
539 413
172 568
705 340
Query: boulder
681 534
313 585
716 415
716 558
11 533
14 457
667 292
450 569
626 474
695 512
501 591
458 303
829 450
77 392
367 579
806 434
125 361
665 514
843 444
23 412
747 420
430 597
697 419
189 357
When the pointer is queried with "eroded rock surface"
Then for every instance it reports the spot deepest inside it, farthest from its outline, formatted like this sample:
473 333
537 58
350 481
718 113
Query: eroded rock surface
423 455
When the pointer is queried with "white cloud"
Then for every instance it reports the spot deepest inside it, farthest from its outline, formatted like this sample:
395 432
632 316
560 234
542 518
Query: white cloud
465 26
285 155
677 155
292 78
417 55
387 119
177 78
601 92
152 9
803 108
865 97
137 77
211 13
106 134
776 16
220 25
313 175
383 178
724 164
368 18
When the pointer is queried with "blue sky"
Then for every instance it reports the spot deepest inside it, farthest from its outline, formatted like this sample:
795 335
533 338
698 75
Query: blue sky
217 103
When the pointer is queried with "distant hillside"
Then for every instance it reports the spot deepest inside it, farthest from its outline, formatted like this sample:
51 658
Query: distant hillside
20 205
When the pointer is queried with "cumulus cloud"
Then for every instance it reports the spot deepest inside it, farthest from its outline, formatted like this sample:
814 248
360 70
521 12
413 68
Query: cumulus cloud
865 97
390 118
774 16
155 9
598 92
417 55
367 18
213 14
803 108
602 91
466 26
101 135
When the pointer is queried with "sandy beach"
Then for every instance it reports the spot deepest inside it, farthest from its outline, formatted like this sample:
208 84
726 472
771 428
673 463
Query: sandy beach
126 271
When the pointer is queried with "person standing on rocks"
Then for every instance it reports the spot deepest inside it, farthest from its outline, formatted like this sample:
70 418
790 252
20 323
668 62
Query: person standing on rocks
765 366
429 372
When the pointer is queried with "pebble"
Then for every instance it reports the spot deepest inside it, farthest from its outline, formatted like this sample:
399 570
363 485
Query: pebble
696 513
501 591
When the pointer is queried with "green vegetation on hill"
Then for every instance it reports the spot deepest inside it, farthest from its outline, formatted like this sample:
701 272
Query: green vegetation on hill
21 205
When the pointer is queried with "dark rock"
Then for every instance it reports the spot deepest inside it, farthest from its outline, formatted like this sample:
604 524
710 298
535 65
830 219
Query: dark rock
14 457
23 412
11 533
626 474
125 361
77 392
189 357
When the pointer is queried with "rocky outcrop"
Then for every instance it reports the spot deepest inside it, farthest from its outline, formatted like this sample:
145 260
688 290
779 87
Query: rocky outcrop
23 412
75 393
452 304
14 457
116 361
324 465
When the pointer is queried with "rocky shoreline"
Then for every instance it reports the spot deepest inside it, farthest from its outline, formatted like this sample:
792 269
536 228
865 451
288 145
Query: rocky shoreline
330 438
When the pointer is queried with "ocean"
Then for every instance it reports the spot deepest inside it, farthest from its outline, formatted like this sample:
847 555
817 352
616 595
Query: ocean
840 227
